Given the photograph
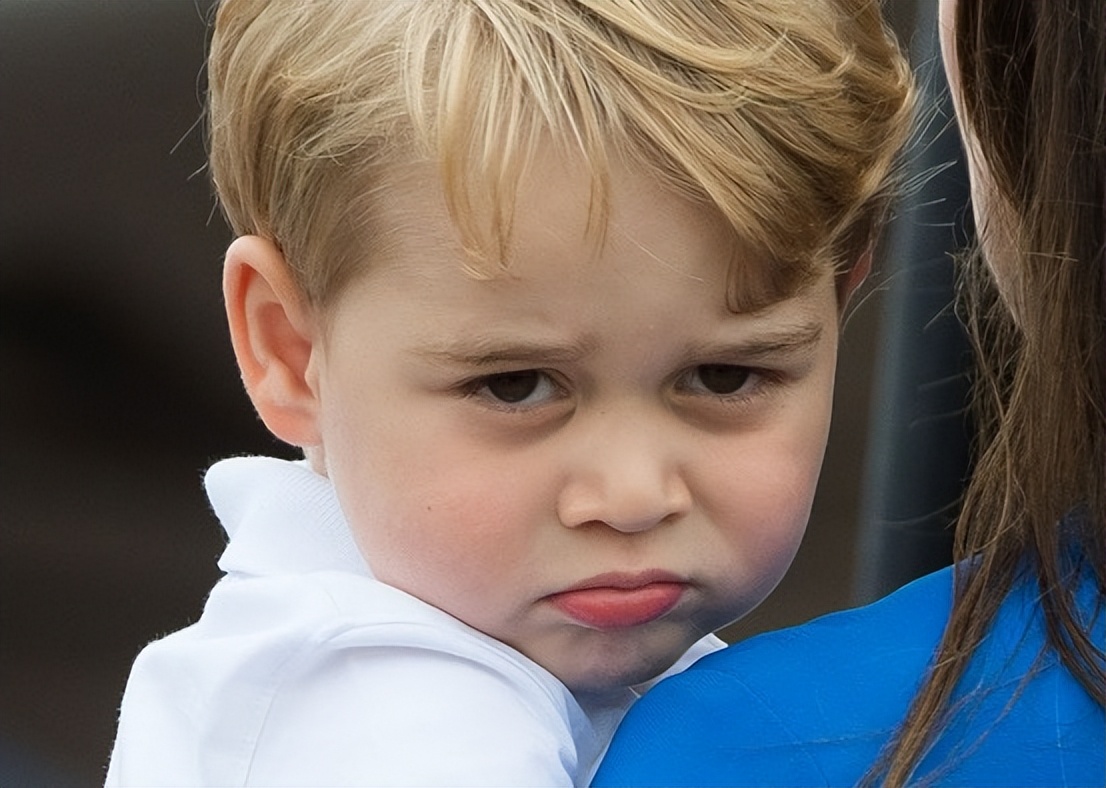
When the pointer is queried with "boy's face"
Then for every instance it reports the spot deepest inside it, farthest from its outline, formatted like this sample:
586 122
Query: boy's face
590 459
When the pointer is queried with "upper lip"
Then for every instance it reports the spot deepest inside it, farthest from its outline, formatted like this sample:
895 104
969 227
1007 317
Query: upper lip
625 580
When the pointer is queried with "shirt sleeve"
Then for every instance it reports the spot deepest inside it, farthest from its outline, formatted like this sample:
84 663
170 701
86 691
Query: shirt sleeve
404 716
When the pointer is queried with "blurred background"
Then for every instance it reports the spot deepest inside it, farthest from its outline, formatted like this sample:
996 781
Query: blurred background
118 387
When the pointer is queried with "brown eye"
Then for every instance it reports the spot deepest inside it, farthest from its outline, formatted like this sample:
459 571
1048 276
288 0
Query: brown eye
513 387
722 378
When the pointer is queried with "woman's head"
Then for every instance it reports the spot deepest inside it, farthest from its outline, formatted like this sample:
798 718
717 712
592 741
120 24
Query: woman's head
1028 80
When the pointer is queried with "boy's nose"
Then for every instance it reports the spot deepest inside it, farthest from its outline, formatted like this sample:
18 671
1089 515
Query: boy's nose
630 482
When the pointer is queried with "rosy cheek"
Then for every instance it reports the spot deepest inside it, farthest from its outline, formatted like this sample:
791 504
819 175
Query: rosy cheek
460 522
762 503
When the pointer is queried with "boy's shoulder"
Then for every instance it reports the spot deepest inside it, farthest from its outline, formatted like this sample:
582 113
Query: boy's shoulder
335 678
304 668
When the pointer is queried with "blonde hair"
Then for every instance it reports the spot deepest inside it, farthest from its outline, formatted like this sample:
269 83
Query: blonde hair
785 115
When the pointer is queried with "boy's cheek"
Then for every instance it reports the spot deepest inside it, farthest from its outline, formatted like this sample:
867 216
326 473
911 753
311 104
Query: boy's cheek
450 527
760 500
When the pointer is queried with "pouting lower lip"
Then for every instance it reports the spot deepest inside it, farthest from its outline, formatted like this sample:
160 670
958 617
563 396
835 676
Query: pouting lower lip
614 607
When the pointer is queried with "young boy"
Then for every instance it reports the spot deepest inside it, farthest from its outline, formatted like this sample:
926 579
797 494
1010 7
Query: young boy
548 293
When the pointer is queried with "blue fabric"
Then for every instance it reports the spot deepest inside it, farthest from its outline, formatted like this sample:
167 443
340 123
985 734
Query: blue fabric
814 704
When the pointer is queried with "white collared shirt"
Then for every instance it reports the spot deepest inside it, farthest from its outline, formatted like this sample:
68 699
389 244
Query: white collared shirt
305 670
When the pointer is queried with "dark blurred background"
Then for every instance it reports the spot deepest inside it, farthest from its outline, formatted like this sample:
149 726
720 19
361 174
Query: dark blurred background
119 387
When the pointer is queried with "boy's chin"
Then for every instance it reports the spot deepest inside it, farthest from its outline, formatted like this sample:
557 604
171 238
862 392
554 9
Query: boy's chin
604 671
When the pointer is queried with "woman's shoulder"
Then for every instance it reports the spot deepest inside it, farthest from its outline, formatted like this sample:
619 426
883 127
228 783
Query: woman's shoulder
835 658
903 626
811 703
815 703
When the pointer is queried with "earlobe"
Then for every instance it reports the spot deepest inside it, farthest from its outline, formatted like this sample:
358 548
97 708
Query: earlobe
275 339
850 280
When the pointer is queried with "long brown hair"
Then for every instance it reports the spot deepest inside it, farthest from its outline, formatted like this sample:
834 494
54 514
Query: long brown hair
1033 87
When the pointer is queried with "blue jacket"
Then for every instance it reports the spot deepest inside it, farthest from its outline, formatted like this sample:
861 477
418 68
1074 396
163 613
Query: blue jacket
814 704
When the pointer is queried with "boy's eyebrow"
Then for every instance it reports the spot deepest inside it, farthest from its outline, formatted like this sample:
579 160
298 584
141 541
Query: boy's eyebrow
770 342
487 351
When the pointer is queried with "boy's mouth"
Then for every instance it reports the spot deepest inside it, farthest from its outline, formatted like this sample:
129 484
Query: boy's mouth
617 601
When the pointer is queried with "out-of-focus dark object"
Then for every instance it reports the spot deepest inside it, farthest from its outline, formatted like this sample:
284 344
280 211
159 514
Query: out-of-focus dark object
918 451
118 384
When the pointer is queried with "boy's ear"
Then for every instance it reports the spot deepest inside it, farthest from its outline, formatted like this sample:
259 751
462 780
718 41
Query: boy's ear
275 338
848 281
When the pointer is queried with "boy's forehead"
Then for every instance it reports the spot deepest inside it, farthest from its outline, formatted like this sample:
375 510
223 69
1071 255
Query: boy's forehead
414 218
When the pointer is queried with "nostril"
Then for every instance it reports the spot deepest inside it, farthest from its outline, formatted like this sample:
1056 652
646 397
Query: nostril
629 479
623 511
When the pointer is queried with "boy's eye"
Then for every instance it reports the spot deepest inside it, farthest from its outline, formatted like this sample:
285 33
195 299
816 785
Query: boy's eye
516 388
512 386
721 379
